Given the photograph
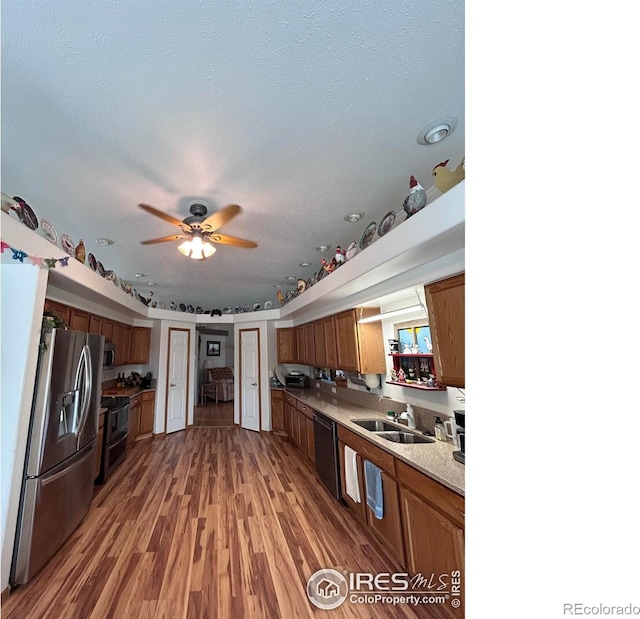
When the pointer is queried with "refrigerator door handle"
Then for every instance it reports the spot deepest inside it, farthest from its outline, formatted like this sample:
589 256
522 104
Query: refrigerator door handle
87 388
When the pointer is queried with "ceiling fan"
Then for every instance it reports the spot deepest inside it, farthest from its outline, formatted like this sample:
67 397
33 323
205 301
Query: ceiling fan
199 230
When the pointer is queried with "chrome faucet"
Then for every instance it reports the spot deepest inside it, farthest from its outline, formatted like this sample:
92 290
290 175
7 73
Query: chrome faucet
408 417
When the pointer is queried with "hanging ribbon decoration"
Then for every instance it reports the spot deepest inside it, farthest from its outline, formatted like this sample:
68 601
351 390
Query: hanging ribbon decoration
38 261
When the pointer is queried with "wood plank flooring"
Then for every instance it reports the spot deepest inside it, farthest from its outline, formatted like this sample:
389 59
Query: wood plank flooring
208 522
214 414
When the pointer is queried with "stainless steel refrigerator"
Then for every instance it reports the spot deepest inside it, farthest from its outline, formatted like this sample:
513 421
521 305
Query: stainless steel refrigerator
57 486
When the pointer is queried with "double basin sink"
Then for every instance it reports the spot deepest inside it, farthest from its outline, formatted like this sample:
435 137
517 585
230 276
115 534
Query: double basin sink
390 432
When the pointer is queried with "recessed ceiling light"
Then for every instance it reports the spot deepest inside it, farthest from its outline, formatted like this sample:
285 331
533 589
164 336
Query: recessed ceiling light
290 278
151 283
277 285
353 217
437 131
105 242
304 264
139 275
322 247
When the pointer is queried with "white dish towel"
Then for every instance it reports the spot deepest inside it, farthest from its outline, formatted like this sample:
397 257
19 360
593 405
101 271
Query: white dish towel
351 474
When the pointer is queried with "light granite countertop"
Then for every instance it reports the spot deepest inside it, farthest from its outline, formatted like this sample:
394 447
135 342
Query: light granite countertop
433 459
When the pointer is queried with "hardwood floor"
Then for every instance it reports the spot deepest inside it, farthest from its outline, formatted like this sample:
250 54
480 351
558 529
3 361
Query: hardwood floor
208 522
214 414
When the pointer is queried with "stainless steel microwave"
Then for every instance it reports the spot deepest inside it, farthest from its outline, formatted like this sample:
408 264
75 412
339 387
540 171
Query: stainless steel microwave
109 357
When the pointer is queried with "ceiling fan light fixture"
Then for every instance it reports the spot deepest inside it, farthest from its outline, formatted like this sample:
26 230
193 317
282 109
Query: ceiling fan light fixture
197 249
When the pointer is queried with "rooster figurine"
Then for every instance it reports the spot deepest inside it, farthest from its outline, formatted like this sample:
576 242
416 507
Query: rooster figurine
328 266
417 198
446 179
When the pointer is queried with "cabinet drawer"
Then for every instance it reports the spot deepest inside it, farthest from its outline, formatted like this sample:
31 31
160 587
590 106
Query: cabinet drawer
276 394
304 409
135 401
148 395
450 503
368 450
289 398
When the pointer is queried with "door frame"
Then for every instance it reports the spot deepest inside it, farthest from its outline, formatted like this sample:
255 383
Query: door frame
259 387
166 379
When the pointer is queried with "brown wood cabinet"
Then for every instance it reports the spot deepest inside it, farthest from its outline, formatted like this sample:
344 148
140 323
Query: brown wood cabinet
387 530
311 442
132 343
330 350
79 320
59 309
118 334
287 351
309 344
277 410
445 304
301 345
135 411
140 344
107 329
95 324
147 413
360 347
433 527
298 424
320 357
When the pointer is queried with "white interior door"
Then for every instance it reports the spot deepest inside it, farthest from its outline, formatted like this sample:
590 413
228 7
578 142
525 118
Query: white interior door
177 380
250 379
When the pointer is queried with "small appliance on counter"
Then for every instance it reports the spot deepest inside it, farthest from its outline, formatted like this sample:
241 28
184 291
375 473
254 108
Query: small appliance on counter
297 380
459 455
145 382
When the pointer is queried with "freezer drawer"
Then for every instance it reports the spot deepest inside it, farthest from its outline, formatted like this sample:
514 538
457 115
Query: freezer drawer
53 506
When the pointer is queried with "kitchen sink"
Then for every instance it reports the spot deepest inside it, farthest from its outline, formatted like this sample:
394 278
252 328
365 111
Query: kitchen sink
404 437
374 425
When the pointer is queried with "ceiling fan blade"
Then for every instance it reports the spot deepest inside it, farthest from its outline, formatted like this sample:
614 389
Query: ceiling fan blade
163 239
162 215
225 239
219 218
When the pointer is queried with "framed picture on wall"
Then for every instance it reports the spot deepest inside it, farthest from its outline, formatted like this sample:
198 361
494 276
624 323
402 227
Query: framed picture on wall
213 349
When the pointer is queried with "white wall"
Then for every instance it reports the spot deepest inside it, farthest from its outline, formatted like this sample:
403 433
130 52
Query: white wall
22 303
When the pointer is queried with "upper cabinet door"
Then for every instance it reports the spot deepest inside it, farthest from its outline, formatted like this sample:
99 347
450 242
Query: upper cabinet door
318 338
445 303
330 351
286 345
347 341
140 342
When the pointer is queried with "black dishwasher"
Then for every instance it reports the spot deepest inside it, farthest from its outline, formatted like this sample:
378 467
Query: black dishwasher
326 448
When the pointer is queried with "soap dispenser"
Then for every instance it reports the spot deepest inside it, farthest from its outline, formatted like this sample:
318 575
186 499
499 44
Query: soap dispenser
440 432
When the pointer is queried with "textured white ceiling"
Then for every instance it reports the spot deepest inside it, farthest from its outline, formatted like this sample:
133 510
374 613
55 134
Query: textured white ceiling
299 111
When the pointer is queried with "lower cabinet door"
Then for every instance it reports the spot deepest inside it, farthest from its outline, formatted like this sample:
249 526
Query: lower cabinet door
388 530
311 443
357 508
434 545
